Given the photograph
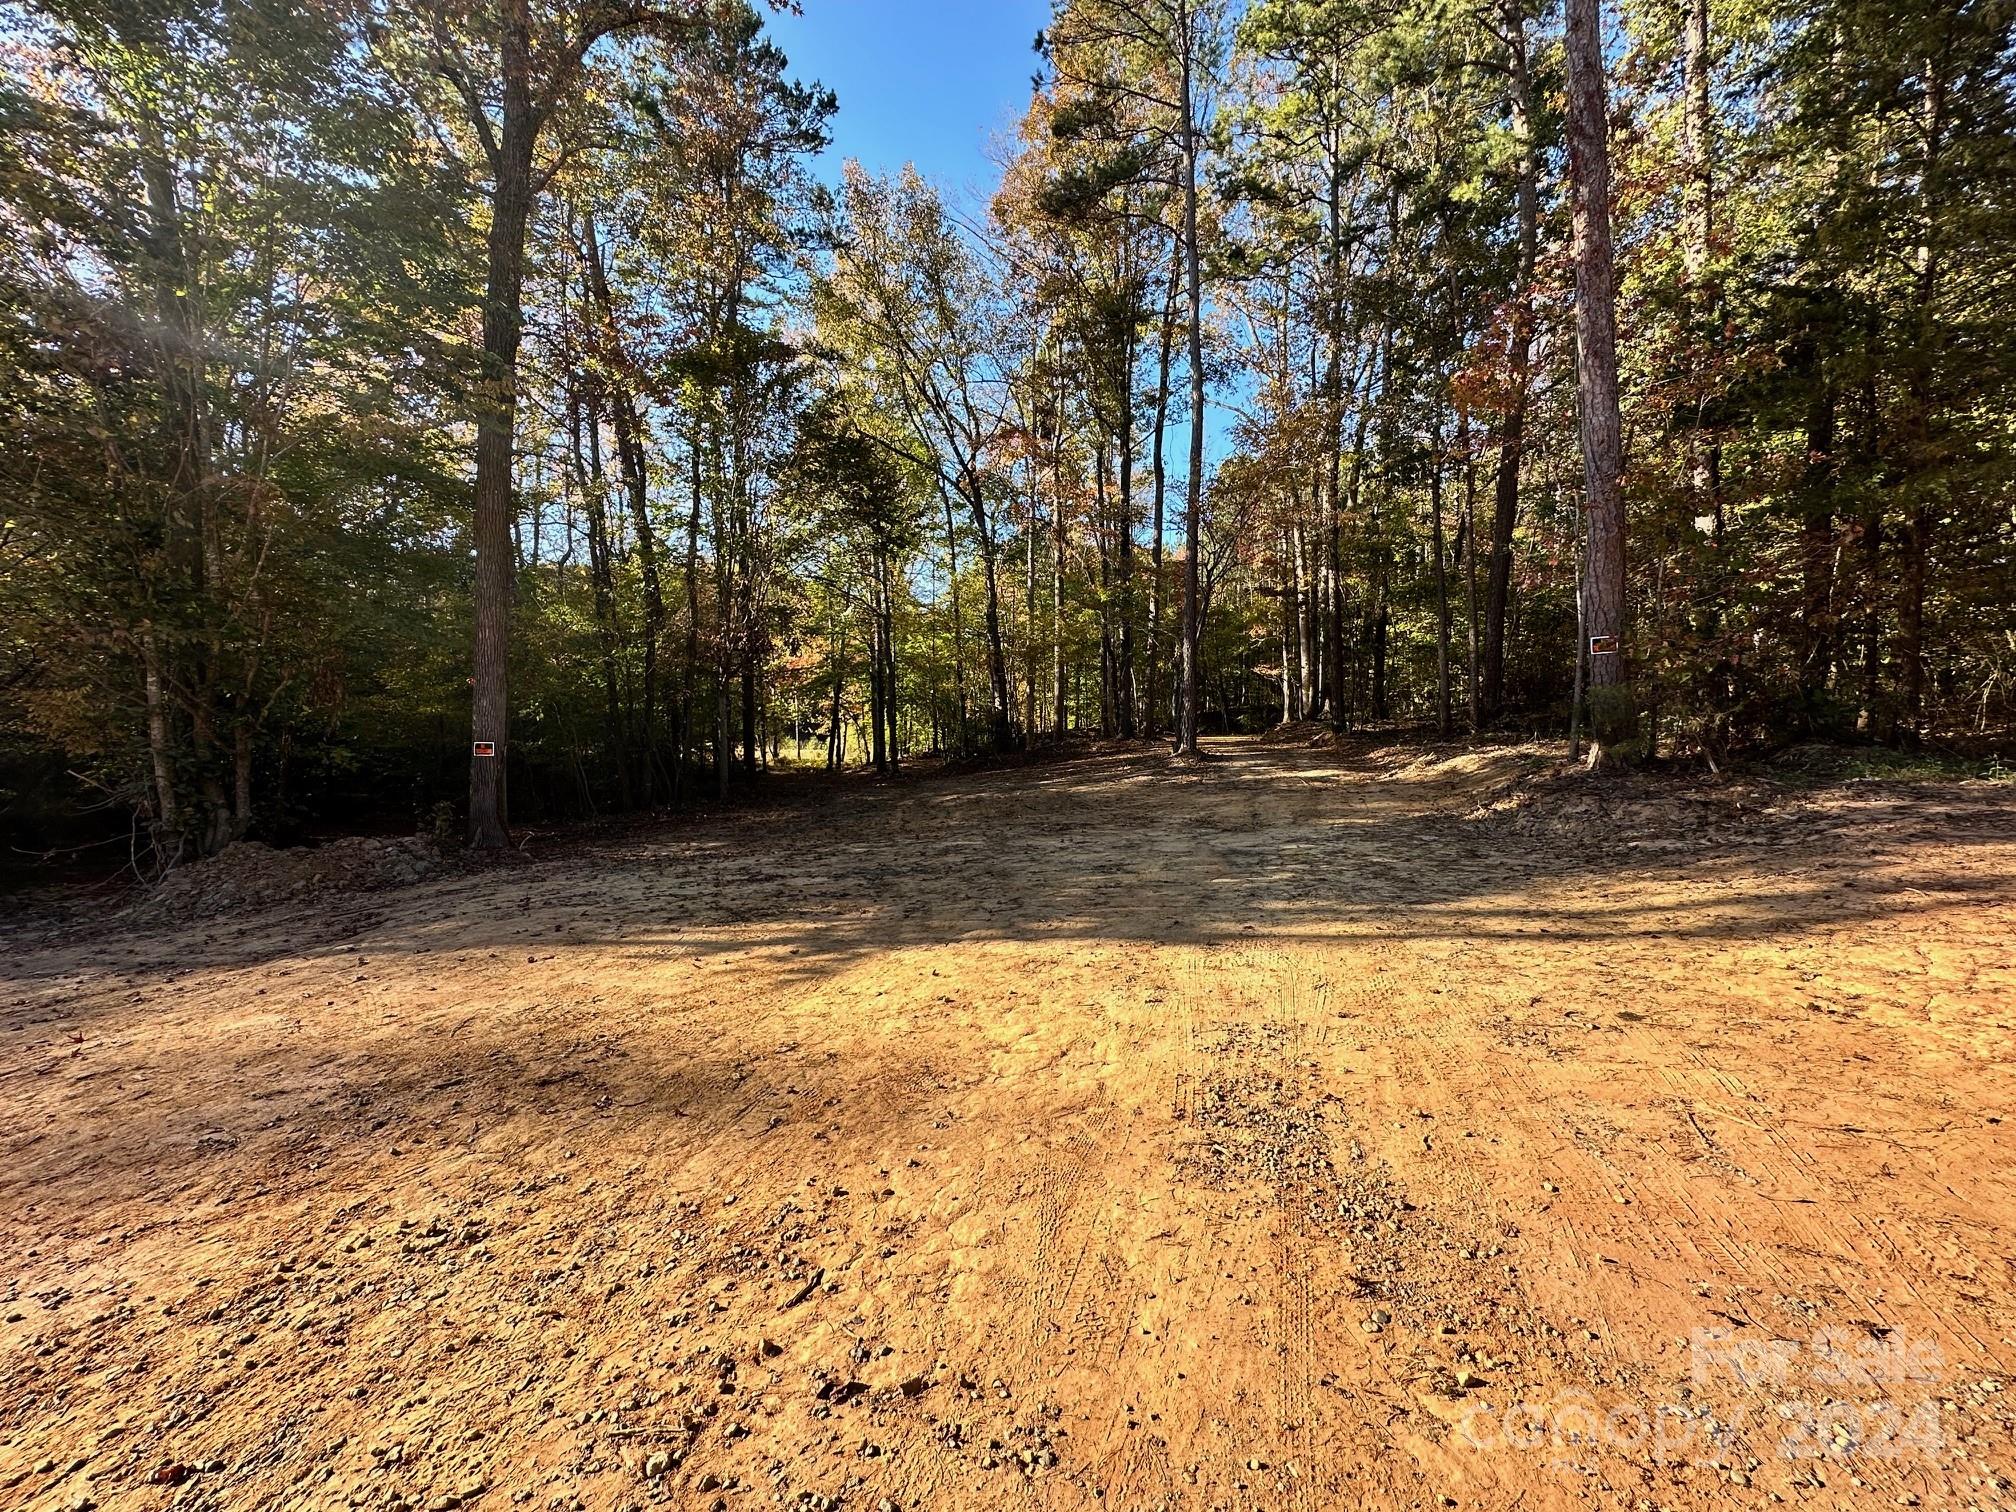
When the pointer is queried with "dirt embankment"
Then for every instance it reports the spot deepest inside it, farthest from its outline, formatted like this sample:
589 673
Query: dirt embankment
247 877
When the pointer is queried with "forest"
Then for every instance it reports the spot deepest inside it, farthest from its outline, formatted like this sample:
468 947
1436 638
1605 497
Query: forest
991 755
384 384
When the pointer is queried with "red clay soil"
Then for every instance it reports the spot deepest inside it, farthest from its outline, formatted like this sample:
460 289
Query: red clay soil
1285 1130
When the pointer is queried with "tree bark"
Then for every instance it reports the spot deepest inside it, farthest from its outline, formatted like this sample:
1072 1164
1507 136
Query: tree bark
1519 360
635 466
688 747
167 810
1186 736
889 684
1469 555
1706 468
1444 719
1001 708
1029 614
1059 691
1596 372
1152 718
877 693
1333 451
958 636
496 421
588 478
1816 547
1127 693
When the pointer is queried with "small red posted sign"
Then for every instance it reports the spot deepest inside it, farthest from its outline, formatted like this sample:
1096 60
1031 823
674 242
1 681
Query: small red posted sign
1602 645
486 748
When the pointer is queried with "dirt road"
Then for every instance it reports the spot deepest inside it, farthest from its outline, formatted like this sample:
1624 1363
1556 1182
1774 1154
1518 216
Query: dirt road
1261 1134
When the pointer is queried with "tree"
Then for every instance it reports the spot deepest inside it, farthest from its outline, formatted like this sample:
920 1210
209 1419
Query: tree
912 305
1161 55
514 67
1596 373
226 274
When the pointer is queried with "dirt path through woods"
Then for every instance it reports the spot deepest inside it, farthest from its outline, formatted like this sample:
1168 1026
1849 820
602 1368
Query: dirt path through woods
1261 1134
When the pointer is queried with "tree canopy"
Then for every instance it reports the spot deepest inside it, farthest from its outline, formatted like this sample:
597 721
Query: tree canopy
487 404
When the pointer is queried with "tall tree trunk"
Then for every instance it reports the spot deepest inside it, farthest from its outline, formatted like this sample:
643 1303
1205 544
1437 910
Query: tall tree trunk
1869 720
496 422
688 746
1289 613
1059 693
1469 554
1917 538
958 636
889 683
1029 613
1816 546
241 780
1305 673
1331 693
1519 360
1345 682
1127 692
1001 707
1382 551
1152 721
1611 708
192 549
1706 464
635 467
1103 596
1333 450
1186 730
835 741
1921 453
724 642
1444 718
877 693
588 478
167 808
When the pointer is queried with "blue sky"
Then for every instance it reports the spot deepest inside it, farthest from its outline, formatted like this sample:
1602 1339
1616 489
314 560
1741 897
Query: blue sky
928 82
935 83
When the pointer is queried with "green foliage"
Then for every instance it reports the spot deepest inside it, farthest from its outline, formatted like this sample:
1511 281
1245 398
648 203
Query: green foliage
831 465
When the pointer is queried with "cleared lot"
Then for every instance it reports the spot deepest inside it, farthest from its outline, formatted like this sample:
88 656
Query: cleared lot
1276 1132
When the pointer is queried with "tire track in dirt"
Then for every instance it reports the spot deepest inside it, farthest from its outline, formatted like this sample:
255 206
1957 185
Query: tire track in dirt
1160 1210
1263 1145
